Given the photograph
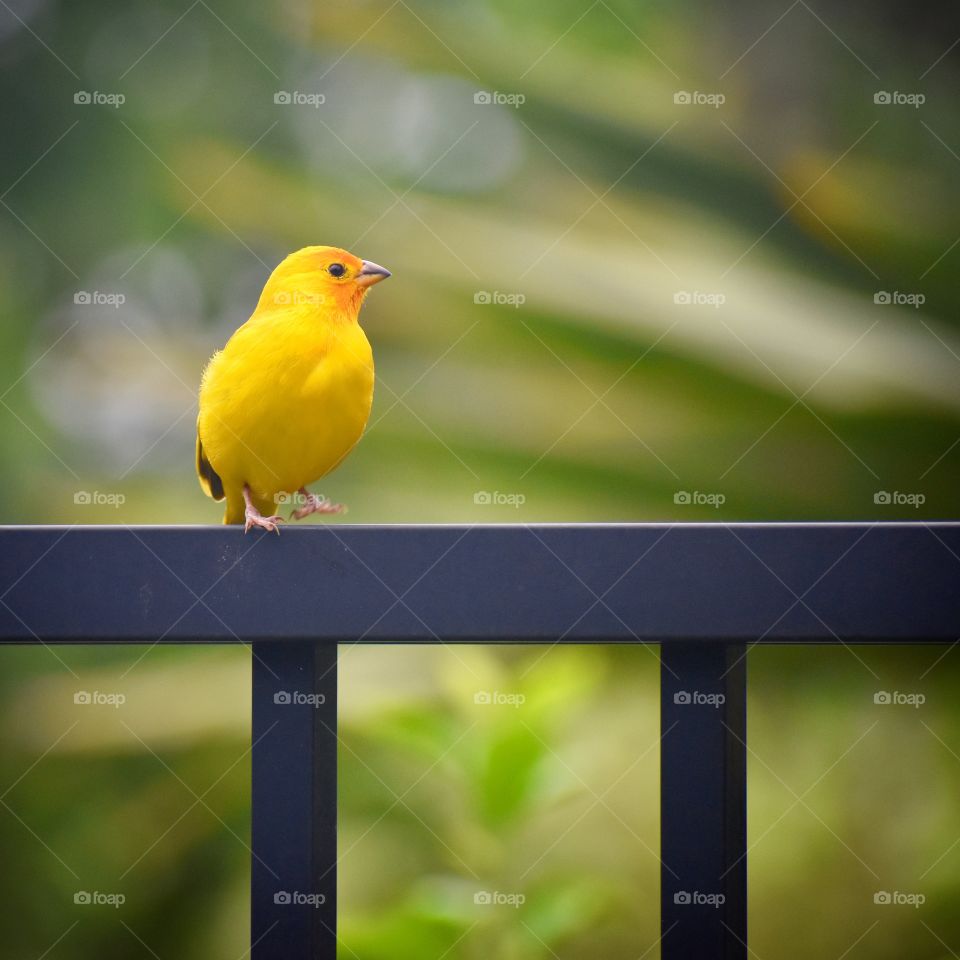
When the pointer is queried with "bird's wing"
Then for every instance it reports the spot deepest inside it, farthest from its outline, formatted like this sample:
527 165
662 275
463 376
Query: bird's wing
210 482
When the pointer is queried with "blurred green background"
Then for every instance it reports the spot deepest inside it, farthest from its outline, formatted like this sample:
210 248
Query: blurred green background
608 303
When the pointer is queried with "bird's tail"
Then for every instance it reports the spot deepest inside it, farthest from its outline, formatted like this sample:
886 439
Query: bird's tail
210 482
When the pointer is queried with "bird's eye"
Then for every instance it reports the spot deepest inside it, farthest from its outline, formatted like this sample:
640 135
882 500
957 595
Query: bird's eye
336 269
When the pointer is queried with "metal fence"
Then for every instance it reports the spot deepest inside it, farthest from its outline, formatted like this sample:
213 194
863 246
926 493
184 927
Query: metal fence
704 593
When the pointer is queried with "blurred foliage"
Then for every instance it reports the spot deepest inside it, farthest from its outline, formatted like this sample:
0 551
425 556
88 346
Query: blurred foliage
486 775
525 772
849 798
599 201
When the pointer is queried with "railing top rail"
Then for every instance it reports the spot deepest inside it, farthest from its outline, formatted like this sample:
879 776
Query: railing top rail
658 583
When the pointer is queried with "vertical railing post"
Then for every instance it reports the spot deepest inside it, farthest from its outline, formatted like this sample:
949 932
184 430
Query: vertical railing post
703 801
294 796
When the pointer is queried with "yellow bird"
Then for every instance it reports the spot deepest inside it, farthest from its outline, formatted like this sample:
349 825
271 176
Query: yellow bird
288 397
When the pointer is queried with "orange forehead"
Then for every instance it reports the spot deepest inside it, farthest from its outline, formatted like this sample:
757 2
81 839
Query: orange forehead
322 257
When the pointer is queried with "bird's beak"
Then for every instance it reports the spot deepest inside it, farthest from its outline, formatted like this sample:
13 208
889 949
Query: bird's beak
371 273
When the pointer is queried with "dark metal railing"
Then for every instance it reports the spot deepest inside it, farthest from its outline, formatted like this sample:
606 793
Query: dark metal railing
703 592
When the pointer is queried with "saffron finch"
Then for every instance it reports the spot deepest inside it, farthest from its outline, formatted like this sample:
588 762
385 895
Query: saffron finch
289 395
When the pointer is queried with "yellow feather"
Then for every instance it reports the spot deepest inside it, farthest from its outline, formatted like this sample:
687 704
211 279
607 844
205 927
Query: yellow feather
289 395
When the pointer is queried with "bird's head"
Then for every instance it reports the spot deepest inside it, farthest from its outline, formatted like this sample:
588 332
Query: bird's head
322 277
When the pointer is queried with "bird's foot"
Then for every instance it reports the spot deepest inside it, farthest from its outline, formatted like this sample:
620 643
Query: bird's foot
316 503
254 518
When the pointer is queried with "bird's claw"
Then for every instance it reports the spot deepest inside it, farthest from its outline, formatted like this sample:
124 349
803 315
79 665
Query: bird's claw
270 524
317 504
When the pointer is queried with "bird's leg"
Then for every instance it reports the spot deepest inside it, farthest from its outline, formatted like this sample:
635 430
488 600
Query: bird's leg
315 503
254 518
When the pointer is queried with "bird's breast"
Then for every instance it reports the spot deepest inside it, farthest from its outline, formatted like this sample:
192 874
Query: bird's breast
333 403
283 412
